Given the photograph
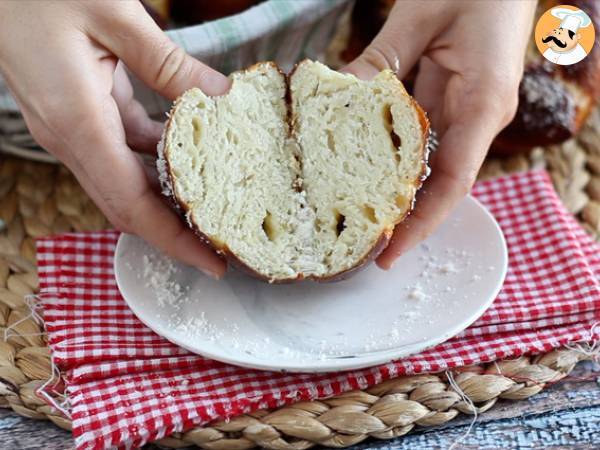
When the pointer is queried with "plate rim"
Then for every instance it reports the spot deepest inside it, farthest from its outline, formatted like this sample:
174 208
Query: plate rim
372 359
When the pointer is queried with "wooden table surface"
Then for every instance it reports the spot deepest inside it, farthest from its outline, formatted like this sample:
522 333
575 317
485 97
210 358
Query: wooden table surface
563 416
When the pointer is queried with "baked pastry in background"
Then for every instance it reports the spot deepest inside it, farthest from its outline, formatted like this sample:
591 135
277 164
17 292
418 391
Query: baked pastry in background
299 177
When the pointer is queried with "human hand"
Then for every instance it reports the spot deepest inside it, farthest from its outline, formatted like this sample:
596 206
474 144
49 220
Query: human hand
60 61
471 60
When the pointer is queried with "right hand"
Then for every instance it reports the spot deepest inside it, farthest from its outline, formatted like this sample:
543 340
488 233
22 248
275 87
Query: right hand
60 60
471 61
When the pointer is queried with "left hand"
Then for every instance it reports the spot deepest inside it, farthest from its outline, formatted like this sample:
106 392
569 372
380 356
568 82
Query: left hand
471 58
60 61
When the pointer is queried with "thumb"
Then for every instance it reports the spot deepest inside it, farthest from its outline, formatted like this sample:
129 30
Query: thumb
141 131
397 47
135 38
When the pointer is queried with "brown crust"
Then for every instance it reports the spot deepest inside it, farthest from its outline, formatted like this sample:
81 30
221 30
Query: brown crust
223 250
379 246
240 265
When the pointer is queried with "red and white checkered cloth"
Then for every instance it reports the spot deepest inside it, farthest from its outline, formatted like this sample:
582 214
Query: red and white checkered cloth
128 386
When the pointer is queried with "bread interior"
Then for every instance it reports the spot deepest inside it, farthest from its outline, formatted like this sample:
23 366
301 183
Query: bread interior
300 190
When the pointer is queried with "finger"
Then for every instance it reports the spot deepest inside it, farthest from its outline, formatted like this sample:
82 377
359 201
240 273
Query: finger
118 178
430 90
142 132
112 175
117 181
151 218
72 113
461 152
400 43
149 165
135 38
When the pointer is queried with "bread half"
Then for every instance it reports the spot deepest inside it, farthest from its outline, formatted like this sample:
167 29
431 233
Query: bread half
299 177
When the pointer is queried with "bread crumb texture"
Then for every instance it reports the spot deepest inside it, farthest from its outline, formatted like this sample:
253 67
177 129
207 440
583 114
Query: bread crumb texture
297 177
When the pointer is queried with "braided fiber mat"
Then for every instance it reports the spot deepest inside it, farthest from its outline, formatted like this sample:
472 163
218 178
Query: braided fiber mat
38 200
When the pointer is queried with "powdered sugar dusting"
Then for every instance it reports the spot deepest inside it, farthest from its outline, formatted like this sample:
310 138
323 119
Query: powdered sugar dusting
249 327
158 272
545 103
435 275
416 293
197 327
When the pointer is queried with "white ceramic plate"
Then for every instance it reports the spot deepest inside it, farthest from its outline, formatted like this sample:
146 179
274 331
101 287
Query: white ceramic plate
431 294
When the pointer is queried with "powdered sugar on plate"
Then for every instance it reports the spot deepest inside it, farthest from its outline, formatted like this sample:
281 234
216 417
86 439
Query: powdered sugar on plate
196 327
431 293
437 270
158 272
416 293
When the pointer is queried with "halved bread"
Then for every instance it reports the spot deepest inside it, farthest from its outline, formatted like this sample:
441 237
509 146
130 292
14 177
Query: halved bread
297 177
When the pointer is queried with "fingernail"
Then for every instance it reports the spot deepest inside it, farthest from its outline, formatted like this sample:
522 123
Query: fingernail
387 267
362 71
209 273
215 83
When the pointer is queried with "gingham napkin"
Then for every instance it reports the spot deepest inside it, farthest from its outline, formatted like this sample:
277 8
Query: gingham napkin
127 386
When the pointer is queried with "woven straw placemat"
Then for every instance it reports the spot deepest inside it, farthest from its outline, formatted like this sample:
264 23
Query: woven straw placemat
38 200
